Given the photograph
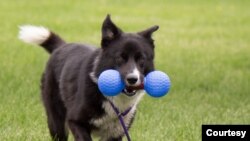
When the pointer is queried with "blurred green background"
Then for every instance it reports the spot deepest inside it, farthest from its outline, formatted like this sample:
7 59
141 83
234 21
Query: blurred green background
204 46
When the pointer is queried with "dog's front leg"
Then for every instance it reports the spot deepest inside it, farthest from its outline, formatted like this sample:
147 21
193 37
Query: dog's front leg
79 131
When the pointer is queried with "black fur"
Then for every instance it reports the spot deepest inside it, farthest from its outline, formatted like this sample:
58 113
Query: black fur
71 97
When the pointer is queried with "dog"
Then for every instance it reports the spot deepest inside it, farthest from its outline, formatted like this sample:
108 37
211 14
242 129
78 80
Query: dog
69 87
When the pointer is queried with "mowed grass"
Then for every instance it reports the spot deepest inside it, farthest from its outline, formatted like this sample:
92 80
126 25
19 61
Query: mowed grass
204 46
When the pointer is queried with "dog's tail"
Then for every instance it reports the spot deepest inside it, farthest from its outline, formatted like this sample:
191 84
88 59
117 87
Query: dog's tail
42 36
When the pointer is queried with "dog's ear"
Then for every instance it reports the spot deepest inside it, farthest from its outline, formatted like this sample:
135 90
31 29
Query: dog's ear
148 32
110 32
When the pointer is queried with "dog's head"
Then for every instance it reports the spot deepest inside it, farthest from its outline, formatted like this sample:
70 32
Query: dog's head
132 54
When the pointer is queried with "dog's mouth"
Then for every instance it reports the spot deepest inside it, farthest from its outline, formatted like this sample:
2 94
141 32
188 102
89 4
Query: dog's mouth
132 90
129 92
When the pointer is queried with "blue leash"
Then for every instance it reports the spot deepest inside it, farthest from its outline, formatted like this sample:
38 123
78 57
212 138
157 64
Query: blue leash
120 116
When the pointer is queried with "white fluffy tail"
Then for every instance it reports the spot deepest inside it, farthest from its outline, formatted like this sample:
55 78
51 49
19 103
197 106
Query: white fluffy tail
33 34
42 36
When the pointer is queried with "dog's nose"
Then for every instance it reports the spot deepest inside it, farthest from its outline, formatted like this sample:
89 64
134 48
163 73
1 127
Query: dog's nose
132 80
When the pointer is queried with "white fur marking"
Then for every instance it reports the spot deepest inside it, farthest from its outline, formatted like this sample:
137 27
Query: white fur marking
136 74
92 74
33 34
109 125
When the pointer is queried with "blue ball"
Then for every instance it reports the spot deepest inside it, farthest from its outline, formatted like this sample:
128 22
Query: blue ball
110 83
157 84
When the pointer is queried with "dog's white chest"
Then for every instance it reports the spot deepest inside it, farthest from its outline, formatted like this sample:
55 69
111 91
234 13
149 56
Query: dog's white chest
109 124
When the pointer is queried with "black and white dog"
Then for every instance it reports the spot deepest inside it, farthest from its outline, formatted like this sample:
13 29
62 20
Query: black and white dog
69 84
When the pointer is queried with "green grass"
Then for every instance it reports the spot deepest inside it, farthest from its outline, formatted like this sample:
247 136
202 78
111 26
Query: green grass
204 46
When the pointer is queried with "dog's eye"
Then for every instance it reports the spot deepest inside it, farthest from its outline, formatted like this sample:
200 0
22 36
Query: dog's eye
140 59
120 59
124 56
141 63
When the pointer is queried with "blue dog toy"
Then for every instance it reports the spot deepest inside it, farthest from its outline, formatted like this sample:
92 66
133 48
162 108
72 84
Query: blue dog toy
110 83
156 83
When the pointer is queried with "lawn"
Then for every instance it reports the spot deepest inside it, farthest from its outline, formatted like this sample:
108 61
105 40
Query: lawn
204 46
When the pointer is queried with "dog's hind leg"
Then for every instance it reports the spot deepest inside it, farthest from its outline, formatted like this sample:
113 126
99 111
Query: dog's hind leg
54 107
